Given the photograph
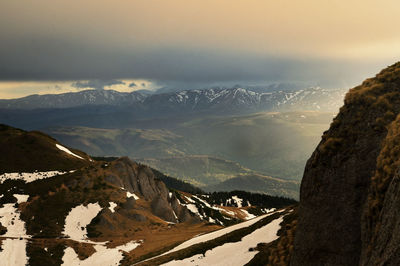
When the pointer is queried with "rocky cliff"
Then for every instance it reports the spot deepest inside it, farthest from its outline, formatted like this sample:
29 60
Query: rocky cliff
349 190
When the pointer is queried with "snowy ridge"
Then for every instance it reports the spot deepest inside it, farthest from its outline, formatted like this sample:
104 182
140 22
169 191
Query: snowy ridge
313 98
71 99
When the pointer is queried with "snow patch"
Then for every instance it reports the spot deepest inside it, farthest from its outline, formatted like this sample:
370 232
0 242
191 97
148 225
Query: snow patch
189 199
77 220
130 195
13 252
103 256
29 177
176 217
112 207
202 201
10 218
247 215
60 147
238 201
21 198
193 209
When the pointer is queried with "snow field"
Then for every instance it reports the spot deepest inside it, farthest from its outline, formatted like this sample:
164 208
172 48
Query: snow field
236 253
215 234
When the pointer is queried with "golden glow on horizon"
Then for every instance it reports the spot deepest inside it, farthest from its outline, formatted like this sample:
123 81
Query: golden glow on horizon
17 89
333 28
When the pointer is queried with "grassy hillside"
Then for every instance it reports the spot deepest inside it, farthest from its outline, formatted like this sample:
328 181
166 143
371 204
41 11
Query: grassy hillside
35 151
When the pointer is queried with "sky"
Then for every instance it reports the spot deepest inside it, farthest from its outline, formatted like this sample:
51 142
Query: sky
49 46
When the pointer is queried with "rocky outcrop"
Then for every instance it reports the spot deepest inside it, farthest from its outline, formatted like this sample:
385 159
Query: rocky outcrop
336 184
141 181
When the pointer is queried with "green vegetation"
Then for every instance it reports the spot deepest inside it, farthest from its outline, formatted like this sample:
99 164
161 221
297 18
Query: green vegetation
176 184
259 184
260 200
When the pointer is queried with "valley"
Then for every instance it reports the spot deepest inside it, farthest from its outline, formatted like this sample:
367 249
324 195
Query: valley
210 150
107 212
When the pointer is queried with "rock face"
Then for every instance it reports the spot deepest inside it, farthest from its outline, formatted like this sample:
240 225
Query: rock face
141 181
338 207
386 248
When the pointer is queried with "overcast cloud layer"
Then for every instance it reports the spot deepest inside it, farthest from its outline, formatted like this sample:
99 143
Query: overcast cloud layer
327 43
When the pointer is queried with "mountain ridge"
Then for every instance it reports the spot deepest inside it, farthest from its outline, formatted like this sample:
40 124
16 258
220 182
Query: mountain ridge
212 99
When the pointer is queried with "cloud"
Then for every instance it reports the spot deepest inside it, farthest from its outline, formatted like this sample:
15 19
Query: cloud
323 44
96 84
42 59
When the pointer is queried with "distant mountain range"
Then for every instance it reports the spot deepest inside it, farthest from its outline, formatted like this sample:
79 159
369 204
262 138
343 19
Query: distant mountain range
73 99
214 99
244 125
